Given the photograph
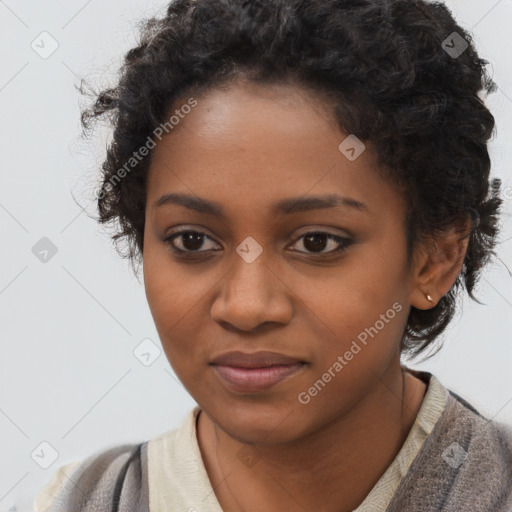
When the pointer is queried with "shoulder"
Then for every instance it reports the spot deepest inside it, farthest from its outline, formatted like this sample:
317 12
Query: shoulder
464 464
47 494
115 475
486 439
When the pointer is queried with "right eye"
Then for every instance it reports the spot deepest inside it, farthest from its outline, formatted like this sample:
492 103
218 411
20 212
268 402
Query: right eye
190 241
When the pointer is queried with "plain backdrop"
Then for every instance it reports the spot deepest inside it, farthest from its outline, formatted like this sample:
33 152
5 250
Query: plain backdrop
68 374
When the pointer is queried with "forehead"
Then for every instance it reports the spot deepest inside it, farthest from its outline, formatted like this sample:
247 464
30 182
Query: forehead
250 145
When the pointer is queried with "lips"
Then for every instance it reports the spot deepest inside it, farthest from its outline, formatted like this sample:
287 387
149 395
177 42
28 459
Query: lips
244 372
260 359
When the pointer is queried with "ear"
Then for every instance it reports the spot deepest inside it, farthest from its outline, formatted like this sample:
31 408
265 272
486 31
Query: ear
436 266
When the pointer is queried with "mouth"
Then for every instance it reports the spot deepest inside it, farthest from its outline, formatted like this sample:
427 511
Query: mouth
245 373
256 379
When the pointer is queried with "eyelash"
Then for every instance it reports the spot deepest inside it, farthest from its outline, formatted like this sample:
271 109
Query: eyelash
344 244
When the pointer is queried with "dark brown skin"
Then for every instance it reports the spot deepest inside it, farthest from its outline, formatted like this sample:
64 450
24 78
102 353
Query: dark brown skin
247 147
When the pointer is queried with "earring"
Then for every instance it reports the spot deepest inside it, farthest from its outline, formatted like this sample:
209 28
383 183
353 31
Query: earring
429 298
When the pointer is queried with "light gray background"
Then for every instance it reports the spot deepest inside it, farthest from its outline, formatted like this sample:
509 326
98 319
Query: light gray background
68 375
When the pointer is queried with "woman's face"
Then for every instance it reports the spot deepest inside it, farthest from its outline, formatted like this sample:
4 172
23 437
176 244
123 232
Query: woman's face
250 280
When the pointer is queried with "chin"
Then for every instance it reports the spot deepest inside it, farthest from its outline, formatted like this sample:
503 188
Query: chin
259 423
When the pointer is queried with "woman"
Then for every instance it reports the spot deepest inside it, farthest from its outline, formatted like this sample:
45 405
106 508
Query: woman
306 185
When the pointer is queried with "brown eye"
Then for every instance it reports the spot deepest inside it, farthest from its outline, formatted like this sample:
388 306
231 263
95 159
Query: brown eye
316 242
190 241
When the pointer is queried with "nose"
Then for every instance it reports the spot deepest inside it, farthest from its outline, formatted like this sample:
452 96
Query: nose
251 294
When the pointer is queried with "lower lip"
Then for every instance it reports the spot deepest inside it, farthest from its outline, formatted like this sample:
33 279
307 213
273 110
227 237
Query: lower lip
255 379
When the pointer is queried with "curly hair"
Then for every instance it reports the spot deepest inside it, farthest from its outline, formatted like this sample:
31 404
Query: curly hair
395 85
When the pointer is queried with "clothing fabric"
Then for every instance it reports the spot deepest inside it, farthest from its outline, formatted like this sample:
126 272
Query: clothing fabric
453 460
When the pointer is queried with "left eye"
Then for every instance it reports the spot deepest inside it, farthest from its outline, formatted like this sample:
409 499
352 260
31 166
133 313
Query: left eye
320 240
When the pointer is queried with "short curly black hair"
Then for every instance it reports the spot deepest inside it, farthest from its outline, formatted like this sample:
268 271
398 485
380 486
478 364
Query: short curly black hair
404 76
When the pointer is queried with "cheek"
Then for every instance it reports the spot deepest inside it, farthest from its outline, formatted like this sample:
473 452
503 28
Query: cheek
169 287
171 311
360 312
175 294
364 331
158 285
345 301
164 287
353 354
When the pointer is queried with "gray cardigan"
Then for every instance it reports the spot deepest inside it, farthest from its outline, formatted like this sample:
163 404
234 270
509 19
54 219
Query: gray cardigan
464 465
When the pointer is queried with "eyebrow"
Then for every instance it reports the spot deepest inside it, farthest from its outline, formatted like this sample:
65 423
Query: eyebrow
284 206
